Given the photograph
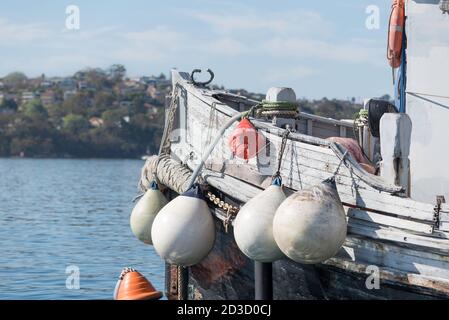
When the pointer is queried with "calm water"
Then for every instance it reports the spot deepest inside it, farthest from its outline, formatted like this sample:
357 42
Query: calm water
59 213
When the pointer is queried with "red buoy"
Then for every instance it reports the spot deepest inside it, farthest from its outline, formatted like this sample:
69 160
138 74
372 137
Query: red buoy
245 141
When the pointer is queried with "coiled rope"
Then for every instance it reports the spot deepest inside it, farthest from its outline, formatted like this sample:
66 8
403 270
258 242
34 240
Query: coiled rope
284 109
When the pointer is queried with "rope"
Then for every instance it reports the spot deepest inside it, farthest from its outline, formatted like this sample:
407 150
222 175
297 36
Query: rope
281 154
170 173
165 141
164 148
283 109
212 145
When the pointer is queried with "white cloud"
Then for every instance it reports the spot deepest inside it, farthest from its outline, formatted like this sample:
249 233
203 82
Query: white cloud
289 34
89 34
149 45
159 35
348 52
297 22
225 46
11 33
282 74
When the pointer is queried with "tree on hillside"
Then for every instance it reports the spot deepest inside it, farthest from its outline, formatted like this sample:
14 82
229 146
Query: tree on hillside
35 110
75 124
8 104
98 78
78 104
117 72
102 102
113 117
16 80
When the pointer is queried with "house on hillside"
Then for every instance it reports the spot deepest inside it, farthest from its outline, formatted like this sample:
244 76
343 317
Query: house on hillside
85 85
11 96
68 84
68 94
154 93
129 87
28 96
96 122
48 98
125 104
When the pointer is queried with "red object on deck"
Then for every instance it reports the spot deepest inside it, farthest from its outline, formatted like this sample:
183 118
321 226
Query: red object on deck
355 151
134 286
245 141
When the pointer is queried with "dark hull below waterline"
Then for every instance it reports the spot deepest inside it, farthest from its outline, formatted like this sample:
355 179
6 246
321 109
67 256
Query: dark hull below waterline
226 274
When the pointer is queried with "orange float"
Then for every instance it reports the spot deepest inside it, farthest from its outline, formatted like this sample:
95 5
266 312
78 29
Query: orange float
132 285
396 33
245 141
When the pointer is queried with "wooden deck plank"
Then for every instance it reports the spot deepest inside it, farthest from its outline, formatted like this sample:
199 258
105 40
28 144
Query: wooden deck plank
381 219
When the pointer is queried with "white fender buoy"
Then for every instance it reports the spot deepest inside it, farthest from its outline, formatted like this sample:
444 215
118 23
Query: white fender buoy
184 231
310 226
253 226
145 211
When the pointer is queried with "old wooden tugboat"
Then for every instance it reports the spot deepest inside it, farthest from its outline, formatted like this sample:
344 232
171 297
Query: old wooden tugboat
269 202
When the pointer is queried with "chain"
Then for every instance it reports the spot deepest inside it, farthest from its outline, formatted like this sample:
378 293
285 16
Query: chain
231 210
342 160
179 281
436 215
281 152
221 204
125 271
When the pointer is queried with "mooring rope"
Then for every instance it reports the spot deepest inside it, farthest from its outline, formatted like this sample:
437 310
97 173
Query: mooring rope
285 109
169 172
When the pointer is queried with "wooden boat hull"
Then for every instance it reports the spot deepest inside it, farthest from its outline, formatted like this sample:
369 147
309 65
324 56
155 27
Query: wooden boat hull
400 241
227 274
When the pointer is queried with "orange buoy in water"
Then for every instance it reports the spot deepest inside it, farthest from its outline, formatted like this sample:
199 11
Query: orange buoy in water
132 285
396 33
245 141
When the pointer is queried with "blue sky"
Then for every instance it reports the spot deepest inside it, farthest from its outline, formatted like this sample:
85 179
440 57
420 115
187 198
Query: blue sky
320 48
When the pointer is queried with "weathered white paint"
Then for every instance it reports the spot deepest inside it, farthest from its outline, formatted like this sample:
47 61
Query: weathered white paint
395 133
381 219
392 232
277 94
304 164
428 98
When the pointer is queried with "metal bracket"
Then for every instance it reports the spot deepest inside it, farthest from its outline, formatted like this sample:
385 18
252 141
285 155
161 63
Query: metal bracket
201 84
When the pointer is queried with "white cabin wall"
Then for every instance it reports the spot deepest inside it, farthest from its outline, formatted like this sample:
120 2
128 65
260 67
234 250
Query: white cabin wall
427 85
